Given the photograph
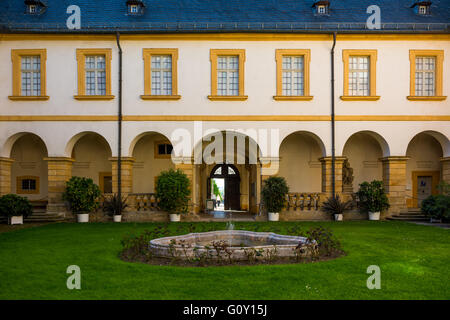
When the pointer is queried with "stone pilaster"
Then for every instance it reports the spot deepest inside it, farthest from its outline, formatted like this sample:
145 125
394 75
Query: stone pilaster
327 175
126 176
186 165
394 179
5 175
445 172
59 171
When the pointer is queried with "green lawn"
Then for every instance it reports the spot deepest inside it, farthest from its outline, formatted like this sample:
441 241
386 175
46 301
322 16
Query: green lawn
414 262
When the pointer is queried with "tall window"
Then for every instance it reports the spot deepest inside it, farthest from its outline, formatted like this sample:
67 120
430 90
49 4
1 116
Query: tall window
228 76
293 76
358 76
95 75
162 75
31 75
425 76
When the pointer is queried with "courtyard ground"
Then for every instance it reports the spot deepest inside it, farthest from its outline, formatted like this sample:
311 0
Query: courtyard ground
414 262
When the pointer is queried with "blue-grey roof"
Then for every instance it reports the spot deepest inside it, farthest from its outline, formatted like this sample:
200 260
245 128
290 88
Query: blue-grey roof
225 16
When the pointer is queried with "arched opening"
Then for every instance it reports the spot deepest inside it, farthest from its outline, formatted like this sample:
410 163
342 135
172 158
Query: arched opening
91 153
423 168
363 152
230 151
152 154
224 187
29 174
299 162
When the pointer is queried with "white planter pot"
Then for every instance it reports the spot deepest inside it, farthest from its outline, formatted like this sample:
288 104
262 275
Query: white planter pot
174 217
374 215
15 220
117 218
83 217
274 216
338 217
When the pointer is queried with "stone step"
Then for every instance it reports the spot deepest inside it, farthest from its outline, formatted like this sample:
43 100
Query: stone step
408 218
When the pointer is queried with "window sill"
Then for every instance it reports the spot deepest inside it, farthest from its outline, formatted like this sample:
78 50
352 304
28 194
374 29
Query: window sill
293 98
360 98
28 98
426 98
83 97
160 97
227 98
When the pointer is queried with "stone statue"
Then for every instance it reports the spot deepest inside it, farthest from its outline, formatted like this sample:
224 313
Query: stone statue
347 177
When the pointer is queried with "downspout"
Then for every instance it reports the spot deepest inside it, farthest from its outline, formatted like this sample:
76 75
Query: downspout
333 153
119 138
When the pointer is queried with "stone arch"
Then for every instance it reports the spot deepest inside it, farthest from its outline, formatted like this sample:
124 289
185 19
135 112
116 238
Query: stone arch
9 143
74 139
385 148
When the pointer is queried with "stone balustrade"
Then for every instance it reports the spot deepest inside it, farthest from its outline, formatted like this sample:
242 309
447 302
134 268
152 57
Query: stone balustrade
142 202
302 201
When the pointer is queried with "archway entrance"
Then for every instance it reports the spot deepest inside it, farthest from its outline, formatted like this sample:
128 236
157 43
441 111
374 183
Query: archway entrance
231 194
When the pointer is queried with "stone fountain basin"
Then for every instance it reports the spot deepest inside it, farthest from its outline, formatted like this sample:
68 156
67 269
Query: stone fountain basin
239 242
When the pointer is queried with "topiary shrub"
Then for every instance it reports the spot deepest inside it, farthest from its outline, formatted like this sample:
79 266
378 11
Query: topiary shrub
274 193
82 194
14 205
372 197
173 192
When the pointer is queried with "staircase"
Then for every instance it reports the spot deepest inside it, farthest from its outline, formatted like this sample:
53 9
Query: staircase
411 214
40 213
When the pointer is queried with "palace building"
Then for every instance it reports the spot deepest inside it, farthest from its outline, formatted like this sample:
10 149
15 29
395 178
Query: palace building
264 87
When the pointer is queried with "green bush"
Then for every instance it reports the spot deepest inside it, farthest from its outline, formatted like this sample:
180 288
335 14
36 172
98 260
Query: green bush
82 194
172 191
13 205
436 206
334 205
274 193
372 197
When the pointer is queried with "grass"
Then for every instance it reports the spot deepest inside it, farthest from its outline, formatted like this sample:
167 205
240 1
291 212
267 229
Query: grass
414 262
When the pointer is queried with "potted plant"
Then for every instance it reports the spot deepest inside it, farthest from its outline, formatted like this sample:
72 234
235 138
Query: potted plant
274 194
372 198
113 206
83 195
173 193
336 207
15 208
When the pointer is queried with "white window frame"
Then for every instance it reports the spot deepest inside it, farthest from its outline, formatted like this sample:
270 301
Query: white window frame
134 7
160 85
355 74
321 9
97 91
32 8
422 84
229 87
291 73
34 75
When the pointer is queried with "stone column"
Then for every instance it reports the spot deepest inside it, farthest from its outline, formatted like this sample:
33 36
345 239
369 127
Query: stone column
445 171
59 171
5 175
327 175
126 176
394 179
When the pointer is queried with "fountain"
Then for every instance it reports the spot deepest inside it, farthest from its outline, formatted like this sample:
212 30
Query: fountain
238 244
